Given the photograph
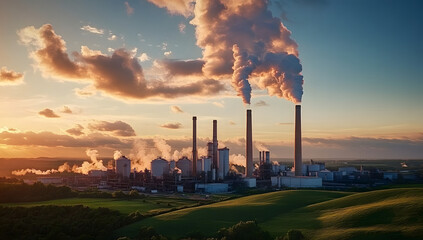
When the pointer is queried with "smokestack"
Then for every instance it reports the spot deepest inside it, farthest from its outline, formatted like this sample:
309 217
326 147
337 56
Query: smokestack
298 152
215 145
194 146
249 146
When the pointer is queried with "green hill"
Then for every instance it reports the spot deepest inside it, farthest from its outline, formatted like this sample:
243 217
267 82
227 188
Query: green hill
382 214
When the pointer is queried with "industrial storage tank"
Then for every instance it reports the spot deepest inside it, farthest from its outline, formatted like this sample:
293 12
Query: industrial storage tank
159 166
223 168
123 166
206 164
185 165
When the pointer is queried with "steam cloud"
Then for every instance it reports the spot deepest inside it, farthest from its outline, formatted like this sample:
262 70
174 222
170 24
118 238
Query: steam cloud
85 167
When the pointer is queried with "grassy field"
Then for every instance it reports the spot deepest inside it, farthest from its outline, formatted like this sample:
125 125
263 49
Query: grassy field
381 214
149 205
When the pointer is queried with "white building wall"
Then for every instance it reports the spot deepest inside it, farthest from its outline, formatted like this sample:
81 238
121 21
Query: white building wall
298 182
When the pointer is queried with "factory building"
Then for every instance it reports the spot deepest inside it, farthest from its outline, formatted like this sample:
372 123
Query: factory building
159 167
123 167
297 182
185 165
223 162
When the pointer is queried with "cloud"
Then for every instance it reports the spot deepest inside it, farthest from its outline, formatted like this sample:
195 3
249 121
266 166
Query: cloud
85 92
49 139
176 109
181 7
261 103
112 37
144 57
76 131
66 109
119 75
94 30
48 113
367 147
171 125
167 53
219 104
182 27
129 9
118 128
181 68
10 77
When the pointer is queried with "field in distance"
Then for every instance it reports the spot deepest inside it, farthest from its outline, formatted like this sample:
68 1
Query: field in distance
380 214
146 205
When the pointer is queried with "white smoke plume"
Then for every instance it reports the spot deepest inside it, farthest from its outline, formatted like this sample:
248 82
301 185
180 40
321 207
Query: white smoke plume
62 168
237 159
244 40
85 167
261 147
117 154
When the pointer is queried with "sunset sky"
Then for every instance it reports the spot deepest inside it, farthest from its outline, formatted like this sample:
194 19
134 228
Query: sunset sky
126 75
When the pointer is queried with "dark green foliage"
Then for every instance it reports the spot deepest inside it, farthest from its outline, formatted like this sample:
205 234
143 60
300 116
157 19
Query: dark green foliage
148 233
37 192
244 230
119 194
58 222
294 235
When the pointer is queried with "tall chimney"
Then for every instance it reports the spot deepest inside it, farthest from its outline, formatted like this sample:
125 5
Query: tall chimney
194 146
298 152
249 147
215 145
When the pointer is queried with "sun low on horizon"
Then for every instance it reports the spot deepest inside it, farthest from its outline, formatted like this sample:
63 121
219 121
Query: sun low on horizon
128 76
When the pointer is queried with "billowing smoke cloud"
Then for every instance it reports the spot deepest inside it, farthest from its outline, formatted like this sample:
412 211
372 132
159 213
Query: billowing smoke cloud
48 113
118 128
85 167
243 39
119 75
10 77
117 154
237 159
260 146
63 168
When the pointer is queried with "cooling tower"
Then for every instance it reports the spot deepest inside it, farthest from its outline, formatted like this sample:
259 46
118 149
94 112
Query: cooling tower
298 152
249 146
194 146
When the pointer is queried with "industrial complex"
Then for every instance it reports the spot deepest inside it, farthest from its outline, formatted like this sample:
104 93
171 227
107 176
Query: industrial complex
212 173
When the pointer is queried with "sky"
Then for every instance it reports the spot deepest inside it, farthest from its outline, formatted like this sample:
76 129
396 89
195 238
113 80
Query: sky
129 75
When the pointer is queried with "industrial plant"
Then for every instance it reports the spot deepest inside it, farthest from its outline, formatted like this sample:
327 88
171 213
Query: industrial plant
212 173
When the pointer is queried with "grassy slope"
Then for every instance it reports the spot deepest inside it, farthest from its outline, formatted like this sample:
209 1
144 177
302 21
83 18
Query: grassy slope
382 214
209 218
123 206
